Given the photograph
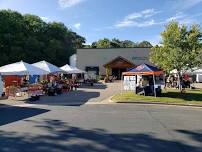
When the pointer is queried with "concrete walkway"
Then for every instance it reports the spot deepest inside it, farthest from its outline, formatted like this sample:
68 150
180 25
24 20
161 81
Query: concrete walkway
84 95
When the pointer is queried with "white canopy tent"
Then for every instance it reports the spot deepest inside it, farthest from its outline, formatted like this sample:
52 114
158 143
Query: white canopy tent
198 73
21 68
71 70
78 70
50 68
67 68
194 71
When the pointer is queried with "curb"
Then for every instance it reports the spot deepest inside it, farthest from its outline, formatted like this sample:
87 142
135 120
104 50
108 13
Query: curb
160 103
105 101
155 103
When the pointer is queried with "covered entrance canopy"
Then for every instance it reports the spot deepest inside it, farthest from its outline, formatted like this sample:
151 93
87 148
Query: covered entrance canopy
117 66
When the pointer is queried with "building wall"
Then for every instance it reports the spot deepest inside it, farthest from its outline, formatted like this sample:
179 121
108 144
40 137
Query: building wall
99 57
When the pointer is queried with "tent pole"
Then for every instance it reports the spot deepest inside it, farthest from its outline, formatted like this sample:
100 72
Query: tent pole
135 84
121 85
154 85
164 80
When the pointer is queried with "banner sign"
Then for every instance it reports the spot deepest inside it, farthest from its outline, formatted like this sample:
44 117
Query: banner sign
129 83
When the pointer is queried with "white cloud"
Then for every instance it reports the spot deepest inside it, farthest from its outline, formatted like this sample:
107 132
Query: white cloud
139 19
77 26
184 19
177 16
184 4
68 3
145 18
143 14
130 23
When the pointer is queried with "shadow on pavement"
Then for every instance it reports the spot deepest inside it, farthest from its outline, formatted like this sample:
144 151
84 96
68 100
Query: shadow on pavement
9 114
72 98
64 138
197 136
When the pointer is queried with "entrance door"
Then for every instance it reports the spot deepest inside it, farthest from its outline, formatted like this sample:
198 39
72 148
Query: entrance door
117 72
119 65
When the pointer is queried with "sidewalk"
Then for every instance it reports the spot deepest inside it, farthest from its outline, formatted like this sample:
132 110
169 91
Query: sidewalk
13 102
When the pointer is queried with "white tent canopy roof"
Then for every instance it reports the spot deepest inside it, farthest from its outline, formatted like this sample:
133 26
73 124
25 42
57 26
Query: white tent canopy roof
78 70
47 67
21 68
193 71
67 68
71 70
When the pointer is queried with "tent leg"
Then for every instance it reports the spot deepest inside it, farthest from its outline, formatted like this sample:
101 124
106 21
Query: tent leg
135 84
154 85
121 84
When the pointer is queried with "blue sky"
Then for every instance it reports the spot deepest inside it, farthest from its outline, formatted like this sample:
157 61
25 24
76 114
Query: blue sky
134 20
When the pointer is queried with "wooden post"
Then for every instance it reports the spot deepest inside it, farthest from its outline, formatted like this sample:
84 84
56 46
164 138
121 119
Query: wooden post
107 72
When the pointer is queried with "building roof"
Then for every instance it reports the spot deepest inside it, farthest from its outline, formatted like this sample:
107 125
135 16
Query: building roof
112 48
120 62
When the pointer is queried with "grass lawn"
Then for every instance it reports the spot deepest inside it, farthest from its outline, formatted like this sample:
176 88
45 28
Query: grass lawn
169 96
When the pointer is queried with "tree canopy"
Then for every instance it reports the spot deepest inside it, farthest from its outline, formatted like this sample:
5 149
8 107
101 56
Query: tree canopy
144 44
27 37
181 48
116 43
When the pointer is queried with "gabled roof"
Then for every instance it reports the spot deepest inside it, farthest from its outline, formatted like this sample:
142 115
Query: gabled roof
121 60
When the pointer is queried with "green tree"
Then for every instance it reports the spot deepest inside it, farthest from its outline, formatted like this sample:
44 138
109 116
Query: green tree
116 43
144 44
180 50
11 34
94 45
34 25
103 43
27 37
77 40
128 44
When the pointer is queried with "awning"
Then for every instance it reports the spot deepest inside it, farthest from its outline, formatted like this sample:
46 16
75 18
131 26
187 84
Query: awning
144 69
